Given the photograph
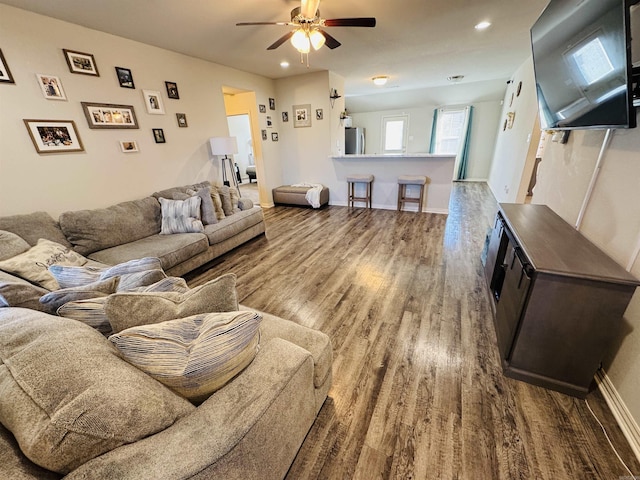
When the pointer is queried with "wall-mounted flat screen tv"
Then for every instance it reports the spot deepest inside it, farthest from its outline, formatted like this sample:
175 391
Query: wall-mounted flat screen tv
582 63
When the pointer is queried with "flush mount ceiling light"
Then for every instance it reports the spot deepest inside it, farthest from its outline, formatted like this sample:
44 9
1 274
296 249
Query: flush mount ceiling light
380 80
482 25
284 64
455 78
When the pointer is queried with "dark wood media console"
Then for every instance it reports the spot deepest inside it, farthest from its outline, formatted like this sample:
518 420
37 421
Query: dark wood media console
557 299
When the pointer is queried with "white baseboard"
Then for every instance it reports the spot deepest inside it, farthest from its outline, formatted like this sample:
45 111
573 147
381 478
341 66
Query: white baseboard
621 413
441 211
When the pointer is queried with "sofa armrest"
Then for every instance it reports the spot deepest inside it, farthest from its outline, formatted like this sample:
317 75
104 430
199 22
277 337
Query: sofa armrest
214 440
15 465
245 203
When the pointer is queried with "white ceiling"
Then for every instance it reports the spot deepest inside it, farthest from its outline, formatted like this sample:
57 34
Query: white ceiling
417 43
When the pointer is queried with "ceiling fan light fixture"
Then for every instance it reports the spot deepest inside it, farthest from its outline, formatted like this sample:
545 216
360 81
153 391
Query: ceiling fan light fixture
317 39
380 80
300 40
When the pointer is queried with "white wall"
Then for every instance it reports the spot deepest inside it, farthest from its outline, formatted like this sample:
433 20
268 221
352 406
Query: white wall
486 116
102 175
513 144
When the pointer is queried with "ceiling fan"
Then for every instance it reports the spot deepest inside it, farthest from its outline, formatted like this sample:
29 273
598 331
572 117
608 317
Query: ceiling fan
309 28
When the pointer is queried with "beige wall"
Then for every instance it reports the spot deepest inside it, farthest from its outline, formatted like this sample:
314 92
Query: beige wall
102 175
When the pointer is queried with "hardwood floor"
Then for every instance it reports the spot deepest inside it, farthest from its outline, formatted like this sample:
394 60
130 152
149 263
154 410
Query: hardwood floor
418 391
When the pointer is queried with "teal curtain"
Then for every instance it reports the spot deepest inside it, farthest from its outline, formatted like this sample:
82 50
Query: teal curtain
464 150
434 129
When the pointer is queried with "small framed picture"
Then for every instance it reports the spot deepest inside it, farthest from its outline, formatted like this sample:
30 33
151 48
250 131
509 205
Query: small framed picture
285 116
129 146
158 135
319 114
5 73
301 116
153 102
80 62
172 90
272 104
109 115
51 87
125 77
274 136
264 134
54 136
182 119
262 108
269 122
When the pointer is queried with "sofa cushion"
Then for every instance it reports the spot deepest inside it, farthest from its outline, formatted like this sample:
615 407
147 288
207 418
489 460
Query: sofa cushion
16 292
33 264
225 196
217 204
181 216
68 276
67 396
132 309
193 356
91 311
245 203
170 249
235 197
93 230
34 226
232 225
11 245
207 209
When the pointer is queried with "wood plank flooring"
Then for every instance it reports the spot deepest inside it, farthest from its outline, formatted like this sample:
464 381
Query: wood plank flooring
418 392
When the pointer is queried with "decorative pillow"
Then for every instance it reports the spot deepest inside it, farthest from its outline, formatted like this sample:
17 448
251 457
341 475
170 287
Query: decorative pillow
91 311
16 292
193 356
225 197
181 216
68 397
32 265
133 281
245 203
11 245
217 204
54 300
129 309
207 208
77 276
235 196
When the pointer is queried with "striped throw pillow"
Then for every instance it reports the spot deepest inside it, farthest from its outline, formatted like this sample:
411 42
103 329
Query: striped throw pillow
181 216
193 356
69 277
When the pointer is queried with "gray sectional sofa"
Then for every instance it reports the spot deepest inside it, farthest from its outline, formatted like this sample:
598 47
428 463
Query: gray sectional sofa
250 428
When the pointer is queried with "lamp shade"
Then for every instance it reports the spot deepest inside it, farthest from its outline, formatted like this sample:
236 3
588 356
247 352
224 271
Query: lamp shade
223 145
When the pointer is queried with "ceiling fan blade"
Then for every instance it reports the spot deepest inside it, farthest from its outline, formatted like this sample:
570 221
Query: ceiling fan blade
244 24
280 41
351 22
329 40
309 8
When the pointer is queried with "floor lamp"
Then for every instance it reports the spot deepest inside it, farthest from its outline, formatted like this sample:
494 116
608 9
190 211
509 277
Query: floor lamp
226 146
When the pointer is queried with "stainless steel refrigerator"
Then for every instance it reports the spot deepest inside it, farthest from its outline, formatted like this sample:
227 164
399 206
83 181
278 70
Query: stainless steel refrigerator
354 141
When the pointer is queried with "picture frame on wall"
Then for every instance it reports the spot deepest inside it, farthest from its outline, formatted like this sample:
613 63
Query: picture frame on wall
109 115
158 135
262 108
5 73
129 146
269 122
172 90
51 87
272 104
125 77
80 62
285 116
301 116
274 136
54 136
264 134
319 114
153 102
182 120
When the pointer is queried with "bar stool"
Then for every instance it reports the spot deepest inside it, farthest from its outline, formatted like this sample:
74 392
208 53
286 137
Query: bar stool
403 181
352 180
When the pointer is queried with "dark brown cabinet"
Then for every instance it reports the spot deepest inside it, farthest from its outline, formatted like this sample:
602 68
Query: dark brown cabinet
557 299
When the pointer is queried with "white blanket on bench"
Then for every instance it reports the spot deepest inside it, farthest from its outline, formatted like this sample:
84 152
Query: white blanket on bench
313 194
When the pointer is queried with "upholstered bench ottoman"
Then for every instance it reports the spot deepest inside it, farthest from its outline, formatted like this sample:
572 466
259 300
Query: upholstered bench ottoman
292 195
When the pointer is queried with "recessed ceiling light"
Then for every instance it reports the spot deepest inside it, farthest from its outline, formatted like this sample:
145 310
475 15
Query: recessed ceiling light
380 80
482 25
284 64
